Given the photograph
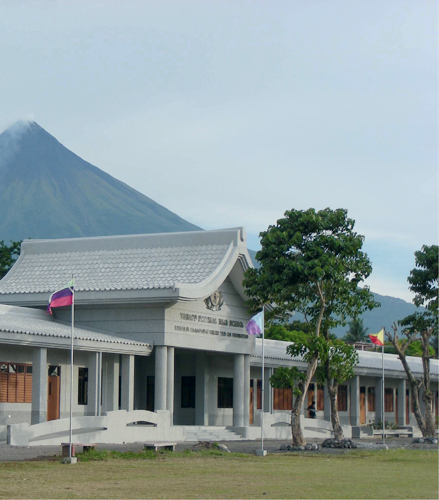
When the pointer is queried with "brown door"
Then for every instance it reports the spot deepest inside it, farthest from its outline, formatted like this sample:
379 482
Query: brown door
320 398
310 394
407 407
53 390
251 402
396 407
362 405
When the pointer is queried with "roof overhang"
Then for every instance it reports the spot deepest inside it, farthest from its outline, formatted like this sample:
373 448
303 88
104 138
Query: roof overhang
41 340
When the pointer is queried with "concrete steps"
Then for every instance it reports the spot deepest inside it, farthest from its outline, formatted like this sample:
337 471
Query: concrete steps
210 433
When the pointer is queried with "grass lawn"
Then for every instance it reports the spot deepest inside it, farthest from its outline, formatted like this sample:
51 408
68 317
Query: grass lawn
357 474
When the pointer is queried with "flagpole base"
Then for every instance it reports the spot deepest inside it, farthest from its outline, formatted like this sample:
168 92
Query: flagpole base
261 453
70 460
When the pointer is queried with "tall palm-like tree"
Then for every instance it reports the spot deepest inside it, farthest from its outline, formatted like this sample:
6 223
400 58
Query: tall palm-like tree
357 331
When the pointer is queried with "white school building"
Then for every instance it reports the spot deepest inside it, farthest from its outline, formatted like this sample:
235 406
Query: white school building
160 348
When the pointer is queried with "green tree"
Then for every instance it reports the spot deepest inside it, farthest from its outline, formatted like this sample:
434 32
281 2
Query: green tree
413 349
336 365
357 331
282 332
8 255
434 343
311 262
337 361
420 327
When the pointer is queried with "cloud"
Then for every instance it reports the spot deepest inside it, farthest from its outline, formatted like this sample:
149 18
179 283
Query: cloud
10 139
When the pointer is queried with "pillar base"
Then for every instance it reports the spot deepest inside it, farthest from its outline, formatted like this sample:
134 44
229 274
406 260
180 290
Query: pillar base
70 460
261 453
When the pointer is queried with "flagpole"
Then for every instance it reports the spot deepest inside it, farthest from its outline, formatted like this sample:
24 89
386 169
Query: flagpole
263 385
71 373
383 399
256 327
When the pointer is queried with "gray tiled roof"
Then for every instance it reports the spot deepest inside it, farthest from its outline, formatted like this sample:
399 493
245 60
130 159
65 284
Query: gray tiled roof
130 269
114 263
276 350
33 322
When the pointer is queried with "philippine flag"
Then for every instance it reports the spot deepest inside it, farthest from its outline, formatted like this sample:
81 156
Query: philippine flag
256 325
63 297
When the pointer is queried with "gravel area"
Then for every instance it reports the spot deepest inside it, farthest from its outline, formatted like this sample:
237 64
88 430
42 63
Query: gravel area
17 453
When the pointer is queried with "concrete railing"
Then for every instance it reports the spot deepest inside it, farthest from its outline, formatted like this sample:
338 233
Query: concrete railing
3 433
114 427
278 426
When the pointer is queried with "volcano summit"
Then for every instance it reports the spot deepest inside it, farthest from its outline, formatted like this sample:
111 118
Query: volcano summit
46 191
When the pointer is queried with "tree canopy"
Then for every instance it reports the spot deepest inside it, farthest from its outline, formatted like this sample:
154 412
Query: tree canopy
357 332
312 263
419 329
423 278
8 255
308 260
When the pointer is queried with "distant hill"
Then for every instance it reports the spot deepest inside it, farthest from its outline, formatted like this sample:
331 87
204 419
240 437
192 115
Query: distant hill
391 310
46 191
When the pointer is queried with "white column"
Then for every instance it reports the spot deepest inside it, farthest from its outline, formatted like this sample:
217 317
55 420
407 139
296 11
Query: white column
401 402
238 390
246 390
378 399
170 384
110 382
268 391
161 359
93 383
201 389
255 398
268 396
39 385
355 400
127 382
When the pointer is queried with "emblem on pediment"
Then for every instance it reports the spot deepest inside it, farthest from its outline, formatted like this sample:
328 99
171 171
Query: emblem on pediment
215 301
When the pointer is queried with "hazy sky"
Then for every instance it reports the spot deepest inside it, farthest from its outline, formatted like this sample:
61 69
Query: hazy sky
231 112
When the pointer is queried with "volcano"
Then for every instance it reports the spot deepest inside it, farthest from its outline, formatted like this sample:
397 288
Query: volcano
47 191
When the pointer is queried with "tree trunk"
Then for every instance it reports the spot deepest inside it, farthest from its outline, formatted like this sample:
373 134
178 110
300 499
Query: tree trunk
427 396
414 384
335 418
296 429
429 430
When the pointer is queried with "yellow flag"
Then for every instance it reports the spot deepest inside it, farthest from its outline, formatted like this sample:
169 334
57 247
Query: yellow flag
377 338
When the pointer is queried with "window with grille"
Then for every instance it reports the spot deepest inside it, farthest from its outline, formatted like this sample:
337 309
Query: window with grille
15 383
282 399
342 398
188 392
225 392
388 400
371 399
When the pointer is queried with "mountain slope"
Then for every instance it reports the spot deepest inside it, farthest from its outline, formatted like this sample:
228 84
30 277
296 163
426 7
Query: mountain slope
46 191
